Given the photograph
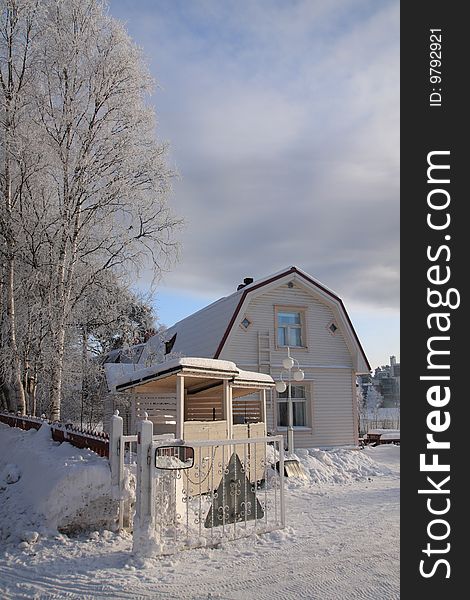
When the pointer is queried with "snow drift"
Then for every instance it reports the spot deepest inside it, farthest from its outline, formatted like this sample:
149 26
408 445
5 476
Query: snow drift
342 465
46 487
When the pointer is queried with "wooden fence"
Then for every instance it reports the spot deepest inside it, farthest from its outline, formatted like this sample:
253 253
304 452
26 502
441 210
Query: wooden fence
97 441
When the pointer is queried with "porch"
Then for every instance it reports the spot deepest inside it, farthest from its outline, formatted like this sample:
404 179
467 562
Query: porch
195 398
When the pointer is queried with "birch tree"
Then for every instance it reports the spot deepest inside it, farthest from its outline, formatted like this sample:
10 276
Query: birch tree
83 181
108 174
18 30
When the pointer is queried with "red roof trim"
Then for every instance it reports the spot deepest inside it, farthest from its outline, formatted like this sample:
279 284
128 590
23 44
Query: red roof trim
263 283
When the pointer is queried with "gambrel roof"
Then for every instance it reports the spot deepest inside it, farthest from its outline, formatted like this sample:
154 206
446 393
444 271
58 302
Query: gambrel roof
205 332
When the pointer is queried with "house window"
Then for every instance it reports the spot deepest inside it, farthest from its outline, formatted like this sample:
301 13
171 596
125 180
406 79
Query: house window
290 327
169 344
245 323
299 407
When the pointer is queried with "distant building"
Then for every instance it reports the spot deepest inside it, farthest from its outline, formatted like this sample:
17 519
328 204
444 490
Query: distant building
386 380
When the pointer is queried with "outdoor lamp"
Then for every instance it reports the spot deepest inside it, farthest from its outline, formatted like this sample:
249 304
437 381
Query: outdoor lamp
298 375
288 362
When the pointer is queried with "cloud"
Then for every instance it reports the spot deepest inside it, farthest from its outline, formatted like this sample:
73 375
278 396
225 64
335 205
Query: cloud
283 122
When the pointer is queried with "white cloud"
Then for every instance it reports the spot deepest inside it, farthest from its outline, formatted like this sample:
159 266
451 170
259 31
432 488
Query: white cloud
283 121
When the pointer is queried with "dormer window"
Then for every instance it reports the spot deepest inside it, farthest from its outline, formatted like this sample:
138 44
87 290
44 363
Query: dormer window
169 344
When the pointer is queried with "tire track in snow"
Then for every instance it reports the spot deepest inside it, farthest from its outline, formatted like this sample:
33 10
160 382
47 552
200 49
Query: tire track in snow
331 557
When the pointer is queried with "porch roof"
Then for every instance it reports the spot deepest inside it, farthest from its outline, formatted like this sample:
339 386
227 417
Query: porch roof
203 375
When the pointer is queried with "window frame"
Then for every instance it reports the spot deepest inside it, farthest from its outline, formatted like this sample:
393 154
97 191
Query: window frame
302 310
335 323
250 322
307 400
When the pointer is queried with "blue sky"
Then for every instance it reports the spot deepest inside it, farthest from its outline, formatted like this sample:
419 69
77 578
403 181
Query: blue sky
283 123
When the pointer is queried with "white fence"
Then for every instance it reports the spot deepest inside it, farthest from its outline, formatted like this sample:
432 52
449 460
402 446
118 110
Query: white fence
234 488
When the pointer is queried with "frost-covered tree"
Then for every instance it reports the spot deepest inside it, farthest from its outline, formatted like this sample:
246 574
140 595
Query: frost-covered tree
18 32
374 401
92 202
111 177
361 408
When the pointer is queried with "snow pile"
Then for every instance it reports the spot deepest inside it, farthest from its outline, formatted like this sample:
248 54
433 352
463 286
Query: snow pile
386 454
46 487
11 474
342 465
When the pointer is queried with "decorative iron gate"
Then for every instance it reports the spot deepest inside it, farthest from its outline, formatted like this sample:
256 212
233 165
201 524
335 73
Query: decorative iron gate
203 493
232 490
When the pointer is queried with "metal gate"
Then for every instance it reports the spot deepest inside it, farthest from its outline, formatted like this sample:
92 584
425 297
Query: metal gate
232 490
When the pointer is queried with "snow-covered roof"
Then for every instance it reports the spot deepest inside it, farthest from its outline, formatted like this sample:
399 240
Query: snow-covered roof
384 431
250 376
390 435
127 355
118 375
204 332
200 333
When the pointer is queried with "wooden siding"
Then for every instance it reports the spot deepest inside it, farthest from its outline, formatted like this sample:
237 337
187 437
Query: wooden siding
330 409
246 409
323 348
201 408
160 408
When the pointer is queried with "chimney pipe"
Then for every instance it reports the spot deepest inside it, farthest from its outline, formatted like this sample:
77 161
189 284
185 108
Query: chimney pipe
246 281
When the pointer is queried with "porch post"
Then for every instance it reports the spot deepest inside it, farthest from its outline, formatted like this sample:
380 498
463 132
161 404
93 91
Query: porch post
228 414
179 406
263 409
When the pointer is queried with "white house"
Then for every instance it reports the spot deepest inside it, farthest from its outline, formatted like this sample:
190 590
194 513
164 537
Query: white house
254 326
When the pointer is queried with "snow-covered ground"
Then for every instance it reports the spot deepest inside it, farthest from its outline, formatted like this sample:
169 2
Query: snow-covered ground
342 539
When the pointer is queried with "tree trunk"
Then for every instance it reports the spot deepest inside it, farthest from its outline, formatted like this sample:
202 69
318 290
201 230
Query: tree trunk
56 376
16 383
84 375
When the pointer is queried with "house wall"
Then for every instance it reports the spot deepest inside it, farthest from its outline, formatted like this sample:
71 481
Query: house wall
327 363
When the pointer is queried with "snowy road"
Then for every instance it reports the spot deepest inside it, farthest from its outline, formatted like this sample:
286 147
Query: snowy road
342 543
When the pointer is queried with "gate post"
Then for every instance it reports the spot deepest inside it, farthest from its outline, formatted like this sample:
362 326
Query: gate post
115 434
115 462
143 523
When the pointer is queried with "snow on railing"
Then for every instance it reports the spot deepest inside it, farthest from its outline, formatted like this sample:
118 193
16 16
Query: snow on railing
97 441
21 421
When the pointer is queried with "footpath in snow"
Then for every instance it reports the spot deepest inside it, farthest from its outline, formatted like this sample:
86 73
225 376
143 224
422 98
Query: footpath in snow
342 539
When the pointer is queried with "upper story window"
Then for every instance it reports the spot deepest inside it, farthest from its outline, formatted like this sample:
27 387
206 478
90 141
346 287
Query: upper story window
290 327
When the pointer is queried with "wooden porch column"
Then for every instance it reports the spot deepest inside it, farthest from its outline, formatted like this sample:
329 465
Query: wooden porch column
179 406
263 407
228 413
